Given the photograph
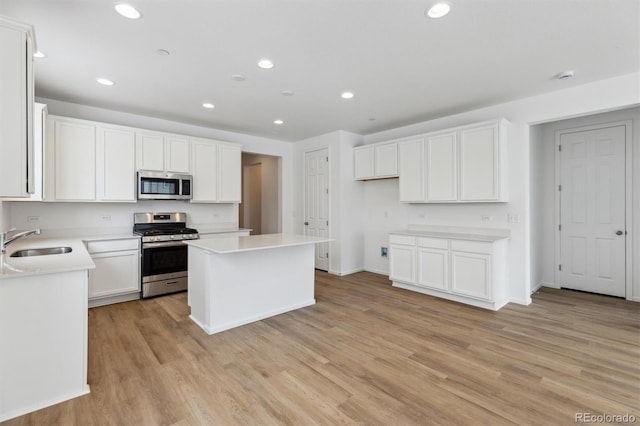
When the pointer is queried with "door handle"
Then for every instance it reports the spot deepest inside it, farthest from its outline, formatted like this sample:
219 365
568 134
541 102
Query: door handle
618 232
306 224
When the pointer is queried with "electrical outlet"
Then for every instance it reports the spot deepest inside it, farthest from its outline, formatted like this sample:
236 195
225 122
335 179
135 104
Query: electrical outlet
513 218
383 251
33 219
106 217
386 214
486 218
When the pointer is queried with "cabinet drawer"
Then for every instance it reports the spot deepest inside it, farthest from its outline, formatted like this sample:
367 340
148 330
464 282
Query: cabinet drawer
439 243
471 246
402 239
113 245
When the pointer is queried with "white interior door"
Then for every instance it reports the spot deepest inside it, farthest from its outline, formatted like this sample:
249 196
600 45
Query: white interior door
316 202
592 210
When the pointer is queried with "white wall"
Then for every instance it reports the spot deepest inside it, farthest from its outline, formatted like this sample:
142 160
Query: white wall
579 100
252 144
539 178
345 199
543 142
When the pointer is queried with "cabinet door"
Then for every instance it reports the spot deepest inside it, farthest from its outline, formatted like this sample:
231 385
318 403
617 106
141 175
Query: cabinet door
229 173
479 167
177 155
16 126
411 170
75 161
386 159
205 169
402 263
442 168
433 268
115 273
363 163
471 274
116 167
150 151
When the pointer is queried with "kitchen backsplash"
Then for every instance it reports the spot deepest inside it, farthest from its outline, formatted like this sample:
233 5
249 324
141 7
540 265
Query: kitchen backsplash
26 215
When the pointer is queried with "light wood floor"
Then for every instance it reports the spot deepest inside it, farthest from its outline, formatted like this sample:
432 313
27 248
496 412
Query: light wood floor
365 353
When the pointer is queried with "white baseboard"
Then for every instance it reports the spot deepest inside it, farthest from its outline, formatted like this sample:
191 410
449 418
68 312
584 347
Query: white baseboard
352 271
376 271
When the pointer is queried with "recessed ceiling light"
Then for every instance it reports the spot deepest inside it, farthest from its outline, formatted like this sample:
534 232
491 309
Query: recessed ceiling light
105 81
287 93
163 52
372 119
265 64
438 10
566 74
39 54
346 95
278 122
238 77
208 105
127 11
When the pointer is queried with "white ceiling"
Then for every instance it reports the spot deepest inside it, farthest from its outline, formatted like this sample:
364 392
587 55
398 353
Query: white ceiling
402 67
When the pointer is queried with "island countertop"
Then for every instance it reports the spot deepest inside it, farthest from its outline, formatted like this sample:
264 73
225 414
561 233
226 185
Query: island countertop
227 245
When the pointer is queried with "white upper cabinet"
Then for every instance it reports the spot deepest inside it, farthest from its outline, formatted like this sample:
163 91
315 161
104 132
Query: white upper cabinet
163 152
376 161
150 151
229 173
481 163
88 161
205 167
16 109
217 168
442 167
412 170
177 154
116 166
386 156
72 160
465 164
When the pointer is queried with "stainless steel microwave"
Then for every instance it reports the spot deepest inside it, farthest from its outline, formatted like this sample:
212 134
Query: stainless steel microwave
164 186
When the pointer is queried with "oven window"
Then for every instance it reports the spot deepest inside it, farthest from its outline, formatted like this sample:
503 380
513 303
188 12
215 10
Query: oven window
160 186
164 260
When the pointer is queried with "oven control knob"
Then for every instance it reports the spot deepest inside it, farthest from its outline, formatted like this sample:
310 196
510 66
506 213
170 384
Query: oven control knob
173 237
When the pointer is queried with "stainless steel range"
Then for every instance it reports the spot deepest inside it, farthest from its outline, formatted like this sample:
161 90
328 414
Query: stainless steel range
164 253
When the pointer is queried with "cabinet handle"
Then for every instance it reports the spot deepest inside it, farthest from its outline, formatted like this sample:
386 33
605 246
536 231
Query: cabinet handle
172 282
306 224
618 232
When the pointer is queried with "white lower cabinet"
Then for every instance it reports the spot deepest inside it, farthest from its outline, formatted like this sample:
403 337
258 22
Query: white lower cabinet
402 254
466 271
433 263
116 277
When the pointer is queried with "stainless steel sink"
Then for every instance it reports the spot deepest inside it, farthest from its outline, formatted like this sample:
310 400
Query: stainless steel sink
41 251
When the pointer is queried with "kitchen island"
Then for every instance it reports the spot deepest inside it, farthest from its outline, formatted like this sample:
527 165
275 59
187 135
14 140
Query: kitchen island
238 280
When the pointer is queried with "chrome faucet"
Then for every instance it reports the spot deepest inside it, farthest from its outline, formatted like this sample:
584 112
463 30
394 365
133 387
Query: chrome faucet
6 240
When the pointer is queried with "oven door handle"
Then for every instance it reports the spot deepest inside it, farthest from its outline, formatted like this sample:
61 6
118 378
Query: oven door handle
167 244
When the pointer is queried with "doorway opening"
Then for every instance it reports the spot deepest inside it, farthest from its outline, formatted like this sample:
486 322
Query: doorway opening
261 207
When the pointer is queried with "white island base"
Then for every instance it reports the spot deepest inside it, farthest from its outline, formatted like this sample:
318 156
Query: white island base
238 280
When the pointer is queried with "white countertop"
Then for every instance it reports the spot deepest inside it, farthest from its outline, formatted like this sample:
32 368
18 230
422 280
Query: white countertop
227 245
18 267
456 233
206 231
